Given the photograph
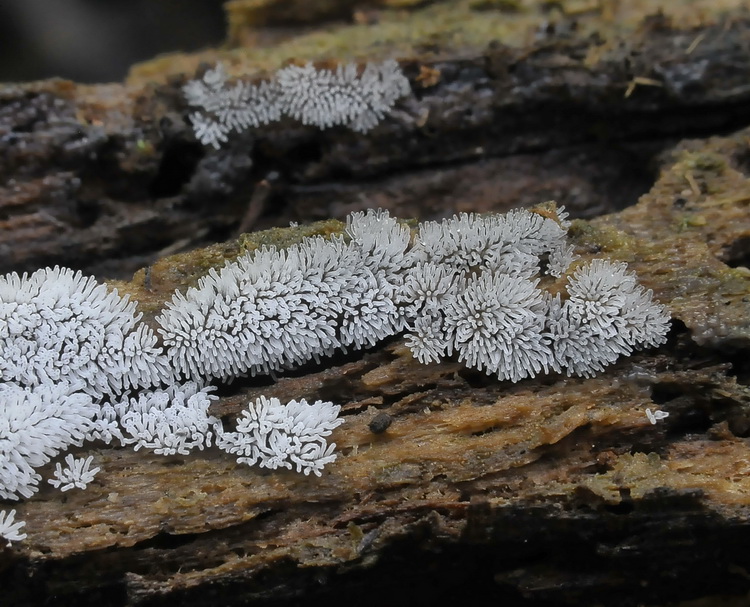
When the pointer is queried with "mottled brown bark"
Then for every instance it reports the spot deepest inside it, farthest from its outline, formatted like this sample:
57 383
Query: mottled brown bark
554 490
107 178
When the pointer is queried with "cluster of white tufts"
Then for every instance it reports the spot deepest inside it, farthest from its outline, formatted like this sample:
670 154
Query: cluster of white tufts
474 290
169 421
607 314
274 309
274 436
78 365
68 345
176 420
471 285
225 108
9 528
35 425
57 325
77 473
318 97
325 98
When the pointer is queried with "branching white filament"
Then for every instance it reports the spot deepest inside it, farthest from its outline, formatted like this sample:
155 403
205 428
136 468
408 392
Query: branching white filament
57 325
77 473
316 97
273 435
170 421
10 529
35 425
656 415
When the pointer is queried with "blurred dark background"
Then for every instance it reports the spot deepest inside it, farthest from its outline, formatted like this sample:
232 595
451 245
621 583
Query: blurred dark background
98 40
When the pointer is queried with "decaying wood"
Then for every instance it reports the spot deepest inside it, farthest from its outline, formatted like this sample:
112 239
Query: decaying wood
553 489
106 178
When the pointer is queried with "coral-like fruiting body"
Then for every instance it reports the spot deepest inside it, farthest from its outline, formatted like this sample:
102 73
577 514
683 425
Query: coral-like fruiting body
77 473
58 325
273 309
35 425
273 435
316 97
10 529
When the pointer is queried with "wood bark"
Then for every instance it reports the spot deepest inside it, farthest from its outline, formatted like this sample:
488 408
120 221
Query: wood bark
553 490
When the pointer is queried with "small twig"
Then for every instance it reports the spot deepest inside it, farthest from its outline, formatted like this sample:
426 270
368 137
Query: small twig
693 183
643 81
256 205
694 44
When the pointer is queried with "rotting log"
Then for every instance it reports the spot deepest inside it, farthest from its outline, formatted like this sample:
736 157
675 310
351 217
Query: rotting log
554 490
509 109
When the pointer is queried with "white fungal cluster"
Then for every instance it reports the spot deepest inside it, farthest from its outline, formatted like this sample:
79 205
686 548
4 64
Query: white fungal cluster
470 285
607 314
78 365
77 473
274 436
169 421
475 290
57 325
317 97
325 98
224 108
10 529
68 344
274 309
37 423
515 243
176 420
